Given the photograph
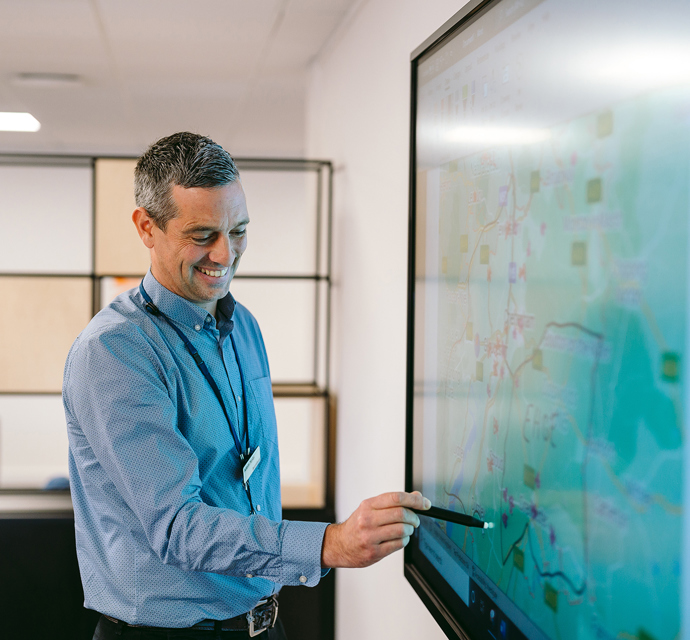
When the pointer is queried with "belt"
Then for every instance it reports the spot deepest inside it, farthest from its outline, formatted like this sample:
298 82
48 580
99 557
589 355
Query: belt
263 616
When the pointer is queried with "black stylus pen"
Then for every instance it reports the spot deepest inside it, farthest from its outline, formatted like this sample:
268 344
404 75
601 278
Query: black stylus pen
454 516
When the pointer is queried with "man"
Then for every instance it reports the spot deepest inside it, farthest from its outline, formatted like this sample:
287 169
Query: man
173 443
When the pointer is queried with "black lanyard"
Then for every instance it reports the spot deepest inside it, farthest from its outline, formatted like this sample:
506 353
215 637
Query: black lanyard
244 454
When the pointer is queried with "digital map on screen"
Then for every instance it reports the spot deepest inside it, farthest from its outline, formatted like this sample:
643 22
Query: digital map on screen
560 322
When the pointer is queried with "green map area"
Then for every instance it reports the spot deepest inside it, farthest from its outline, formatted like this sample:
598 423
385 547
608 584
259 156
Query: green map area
561 356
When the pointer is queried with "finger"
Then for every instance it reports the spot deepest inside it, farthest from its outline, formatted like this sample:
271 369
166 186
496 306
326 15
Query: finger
426 503
399 499
392 532
412 518
386 548
373 518
397 514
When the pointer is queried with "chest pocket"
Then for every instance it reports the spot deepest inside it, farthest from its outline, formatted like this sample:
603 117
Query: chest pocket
261 412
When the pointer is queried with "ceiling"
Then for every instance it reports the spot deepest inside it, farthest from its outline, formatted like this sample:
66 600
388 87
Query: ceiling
135 70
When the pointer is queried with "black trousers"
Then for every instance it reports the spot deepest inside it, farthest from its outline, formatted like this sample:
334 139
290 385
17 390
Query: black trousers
107 630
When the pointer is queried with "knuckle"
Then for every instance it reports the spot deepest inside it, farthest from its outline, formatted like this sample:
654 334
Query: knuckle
398 497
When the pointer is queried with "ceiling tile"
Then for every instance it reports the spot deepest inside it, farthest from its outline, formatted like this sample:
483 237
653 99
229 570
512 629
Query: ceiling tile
232 68
301 36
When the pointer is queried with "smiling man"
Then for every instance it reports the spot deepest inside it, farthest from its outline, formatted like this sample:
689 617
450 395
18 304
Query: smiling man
196 253
173 443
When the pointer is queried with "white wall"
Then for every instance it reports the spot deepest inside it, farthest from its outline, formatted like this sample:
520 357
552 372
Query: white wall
358 115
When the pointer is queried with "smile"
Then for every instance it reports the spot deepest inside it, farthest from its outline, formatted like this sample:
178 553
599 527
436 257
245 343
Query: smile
213 274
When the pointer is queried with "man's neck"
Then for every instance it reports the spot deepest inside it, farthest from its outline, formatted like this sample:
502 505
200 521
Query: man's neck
211 307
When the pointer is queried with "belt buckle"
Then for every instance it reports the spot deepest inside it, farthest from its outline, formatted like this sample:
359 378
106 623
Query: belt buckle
262 617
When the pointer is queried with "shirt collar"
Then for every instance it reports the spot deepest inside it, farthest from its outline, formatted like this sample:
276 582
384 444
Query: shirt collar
186 312
226 309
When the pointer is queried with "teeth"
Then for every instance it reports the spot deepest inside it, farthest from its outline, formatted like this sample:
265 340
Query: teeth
215 274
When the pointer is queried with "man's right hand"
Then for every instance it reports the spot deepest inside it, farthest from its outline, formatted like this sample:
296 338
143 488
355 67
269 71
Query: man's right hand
378 527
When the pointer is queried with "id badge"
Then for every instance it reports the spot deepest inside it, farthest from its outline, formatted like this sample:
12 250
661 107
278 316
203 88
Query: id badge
251 464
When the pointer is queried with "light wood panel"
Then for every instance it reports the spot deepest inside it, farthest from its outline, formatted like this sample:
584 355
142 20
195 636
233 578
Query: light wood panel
119 250
40 318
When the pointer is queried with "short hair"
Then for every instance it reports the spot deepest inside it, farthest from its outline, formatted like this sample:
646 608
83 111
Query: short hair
184 159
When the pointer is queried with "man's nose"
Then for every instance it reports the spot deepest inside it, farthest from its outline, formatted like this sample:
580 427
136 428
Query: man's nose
221 251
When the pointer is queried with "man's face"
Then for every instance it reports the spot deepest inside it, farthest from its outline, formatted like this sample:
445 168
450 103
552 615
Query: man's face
198 253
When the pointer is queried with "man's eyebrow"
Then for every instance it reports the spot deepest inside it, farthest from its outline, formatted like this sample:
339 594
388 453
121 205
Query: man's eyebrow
199 229
206 229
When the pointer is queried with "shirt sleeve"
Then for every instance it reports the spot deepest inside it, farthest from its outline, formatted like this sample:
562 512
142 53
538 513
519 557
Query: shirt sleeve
129 449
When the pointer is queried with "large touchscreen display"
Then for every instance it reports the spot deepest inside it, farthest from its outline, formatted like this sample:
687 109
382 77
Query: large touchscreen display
552 203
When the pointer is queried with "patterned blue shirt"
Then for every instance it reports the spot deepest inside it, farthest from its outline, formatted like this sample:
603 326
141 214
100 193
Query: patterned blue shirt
163 526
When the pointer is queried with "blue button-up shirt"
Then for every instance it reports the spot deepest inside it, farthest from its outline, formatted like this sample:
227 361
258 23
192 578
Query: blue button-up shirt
163 526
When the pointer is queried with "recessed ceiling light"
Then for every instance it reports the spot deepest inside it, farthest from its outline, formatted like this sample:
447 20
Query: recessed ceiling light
47 79
17 121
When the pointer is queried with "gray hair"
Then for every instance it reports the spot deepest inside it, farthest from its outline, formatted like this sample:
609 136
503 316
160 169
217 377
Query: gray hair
184 159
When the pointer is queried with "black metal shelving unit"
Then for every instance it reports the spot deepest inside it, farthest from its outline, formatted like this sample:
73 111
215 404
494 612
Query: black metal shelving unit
40 576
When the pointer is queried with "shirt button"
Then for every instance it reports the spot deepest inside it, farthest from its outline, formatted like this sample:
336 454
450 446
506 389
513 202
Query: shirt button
250 575
197 327
258 507
303 579
239 398
208 320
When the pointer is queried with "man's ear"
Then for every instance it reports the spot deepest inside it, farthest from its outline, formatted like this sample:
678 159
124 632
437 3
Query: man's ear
144 226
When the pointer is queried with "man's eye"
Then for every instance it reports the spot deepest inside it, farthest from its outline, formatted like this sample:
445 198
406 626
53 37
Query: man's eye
238 233
201 240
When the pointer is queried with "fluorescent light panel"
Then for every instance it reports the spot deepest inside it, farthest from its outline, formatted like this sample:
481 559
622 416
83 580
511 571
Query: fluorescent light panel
18 121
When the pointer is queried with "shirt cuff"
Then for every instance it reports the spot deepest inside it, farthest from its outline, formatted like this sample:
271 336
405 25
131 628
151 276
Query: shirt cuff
301 553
